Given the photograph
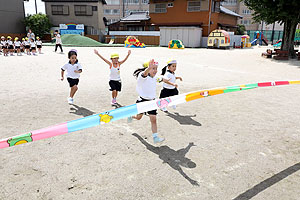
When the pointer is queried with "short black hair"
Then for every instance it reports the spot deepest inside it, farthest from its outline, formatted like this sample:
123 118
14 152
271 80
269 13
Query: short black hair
71 53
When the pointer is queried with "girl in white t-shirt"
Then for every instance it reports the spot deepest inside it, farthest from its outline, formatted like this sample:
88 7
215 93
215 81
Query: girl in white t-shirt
32 46
114 77
27 46
146 89
73 69
17 44
39 44
4 46
169 86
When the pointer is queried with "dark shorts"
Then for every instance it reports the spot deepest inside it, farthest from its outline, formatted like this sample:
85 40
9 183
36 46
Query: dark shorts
168 92
151 112
115 85
72 81
10 47
4 47
18 47
32 48
27 47
39 46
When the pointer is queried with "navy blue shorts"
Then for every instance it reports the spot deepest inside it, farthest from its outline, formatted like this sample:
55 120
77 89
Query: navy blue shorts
72 81
115 85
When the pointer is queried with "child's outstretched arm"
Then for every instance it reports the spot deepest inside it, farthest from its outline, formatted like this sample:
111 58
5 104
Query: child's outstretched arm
121 62
169 82
151 65
179 78
97 53
62 75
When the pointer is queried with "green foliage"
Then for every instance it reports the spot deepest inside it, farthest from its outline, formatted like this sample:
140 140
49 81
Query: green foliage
271 11
39 24
240 29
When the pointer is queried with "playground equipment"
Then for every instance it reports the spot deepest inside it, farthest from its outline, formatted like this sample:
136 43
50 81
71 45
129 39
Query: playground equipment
218 39
132 42
278 43
246 41
175 44
259 36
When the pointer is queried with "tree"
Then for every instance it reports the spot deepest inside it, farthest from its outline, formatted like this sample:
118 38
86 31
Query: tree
38 23
240 29
283 11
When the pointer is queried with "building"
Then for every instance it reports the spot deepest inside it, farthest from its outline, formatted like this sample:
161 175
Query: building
196 13
12 13
114 10
87 12
135 21
240 8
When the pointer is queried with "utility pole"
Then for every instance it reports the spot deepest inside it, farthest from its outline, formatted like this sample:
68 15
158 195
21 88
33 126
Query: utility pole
35 7
123 4
210 7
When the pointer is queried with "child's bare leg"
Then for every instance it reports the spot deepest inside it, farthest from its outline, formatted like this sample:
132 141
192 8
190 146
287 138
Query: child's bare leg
138 116
153 123
73 91
114 94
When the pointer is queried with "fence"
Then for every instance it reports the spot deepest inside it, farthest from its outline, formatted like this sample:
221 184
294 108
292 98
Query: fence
268 34
120 39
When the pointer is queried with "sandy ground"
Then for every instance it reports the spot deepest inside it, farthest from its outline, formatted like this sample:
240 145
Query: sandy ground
234 146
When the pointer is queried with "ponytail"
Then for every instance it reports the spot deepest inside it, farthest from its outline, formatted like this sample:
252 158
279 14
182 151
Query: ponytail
138 71
163 71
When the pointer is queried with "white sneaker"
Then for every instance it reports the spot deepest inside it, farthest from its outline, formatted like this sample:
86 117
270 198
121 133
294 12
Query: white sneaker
174 107
70 100
164 109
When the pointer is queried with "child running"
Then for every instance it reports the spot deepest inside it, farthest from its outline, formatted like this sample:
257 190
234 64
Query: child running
146 89
39 44
73 73
114 77
169 86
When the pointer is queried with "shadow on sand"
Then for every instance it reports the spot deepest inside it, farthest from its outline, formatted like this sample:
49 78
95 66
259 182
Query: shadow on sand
77 110
183 119
268 182
174 159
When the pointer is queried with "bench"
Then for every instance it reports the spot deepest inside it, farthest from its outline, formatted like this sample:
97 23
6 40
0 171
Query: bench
281 55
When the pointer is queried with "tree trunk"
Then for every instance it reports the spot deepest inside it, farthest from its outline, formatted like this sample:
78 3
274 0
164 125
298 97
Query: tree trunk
288 37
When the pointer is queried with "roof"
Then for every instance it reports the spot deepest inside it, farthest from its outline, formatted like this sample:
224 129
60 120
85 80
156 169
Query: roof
136 16
229 12
103 1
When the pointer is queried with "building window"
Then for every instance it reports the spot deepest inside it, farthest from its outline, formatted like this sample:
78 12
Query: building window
131 2
111 11
193 6
246 12
80 10
160 8
113 2
145 1
229 3
94 8
215 6
210 41
57 9
222 41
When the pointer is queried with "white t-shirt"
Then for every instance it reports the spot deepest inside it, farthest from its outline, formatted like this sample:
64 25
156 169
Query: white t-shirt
9 42
114 73
58 39
168 75
38 42
17 43
26 43
70 70
146 87
32 44
3 42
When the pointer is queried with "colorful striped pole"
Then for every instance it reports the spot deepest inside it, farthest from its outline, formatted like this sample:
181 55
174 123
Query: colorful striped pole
127 111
